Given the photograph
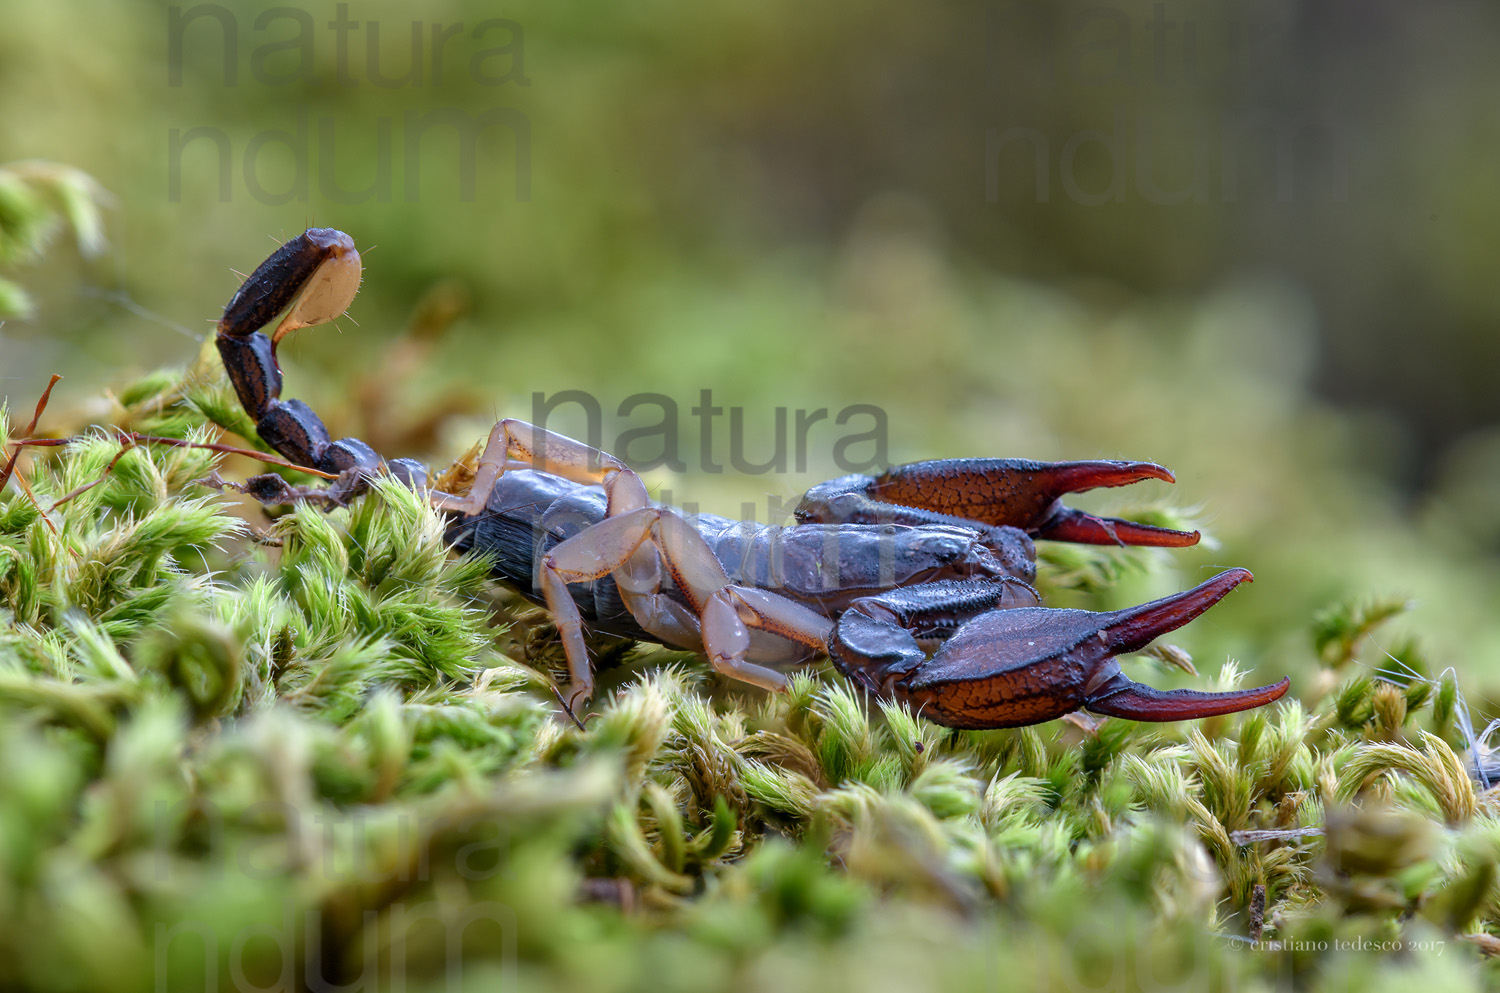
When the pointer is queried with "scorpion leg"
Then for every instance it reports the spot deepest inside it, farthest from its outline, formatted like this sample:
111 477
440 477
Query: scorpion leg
721 612
994 493
1008 668
732 611
727 611
515 444
617 545
586 556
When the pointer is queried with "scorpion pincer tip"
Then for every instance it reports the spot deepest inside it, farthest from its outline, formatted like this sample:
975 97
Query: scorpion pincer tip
1138 702
1134 628
1070 524
1119 696
1060 478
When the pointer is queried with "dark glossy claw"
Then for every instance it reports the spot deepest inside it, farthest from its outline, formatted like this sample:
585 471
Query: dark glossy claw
1133 628
1138 702
1027 495
1068 524
1009 668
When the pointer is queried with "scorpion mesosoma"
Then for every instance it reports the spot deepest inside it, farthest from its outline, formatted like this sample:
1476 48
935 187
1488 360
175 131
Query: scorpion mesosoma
915 583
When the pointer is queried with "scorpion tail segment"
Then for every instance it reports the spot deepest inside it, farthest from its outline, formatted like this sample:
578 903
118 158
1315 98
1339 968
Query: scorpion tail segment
1123 697
1026 494
250 361
313 278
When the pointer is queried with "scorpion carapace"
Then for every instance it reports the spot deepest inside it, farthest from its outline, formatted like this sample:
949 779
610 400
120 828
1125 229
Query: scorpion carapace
916 583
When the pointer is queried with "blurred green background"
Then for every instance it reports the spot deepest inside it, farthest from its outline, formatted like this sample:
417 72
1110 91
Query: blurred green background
1251 241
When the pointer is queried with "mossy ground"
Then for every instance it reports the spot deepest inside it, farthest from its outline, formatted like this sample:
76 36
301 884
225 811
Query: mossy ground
308 757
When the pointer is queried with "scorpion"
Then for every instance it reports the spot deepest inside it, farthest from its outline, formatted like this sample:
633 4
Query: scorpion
915 583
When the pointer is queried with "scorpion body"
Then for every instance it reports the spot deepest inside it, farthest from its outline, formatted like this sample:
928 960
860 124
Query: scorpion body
823 567
915 583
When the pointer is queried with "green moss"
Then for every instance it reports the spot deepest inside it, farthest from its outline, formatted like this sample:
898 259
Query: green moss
36 200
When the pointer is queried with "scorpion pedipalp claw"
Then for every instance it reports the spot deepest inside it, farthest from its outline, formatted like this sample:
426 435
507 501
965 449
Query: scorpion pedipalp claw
1133 628
1081 528
1068 524
1049 483
1009 668
1139 702
1059 478
1027 495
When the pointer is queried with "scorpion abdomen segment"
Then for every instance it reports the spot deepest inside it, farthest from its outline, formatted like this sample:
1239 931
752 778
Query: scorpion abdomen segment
527 515
832 565
515 531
